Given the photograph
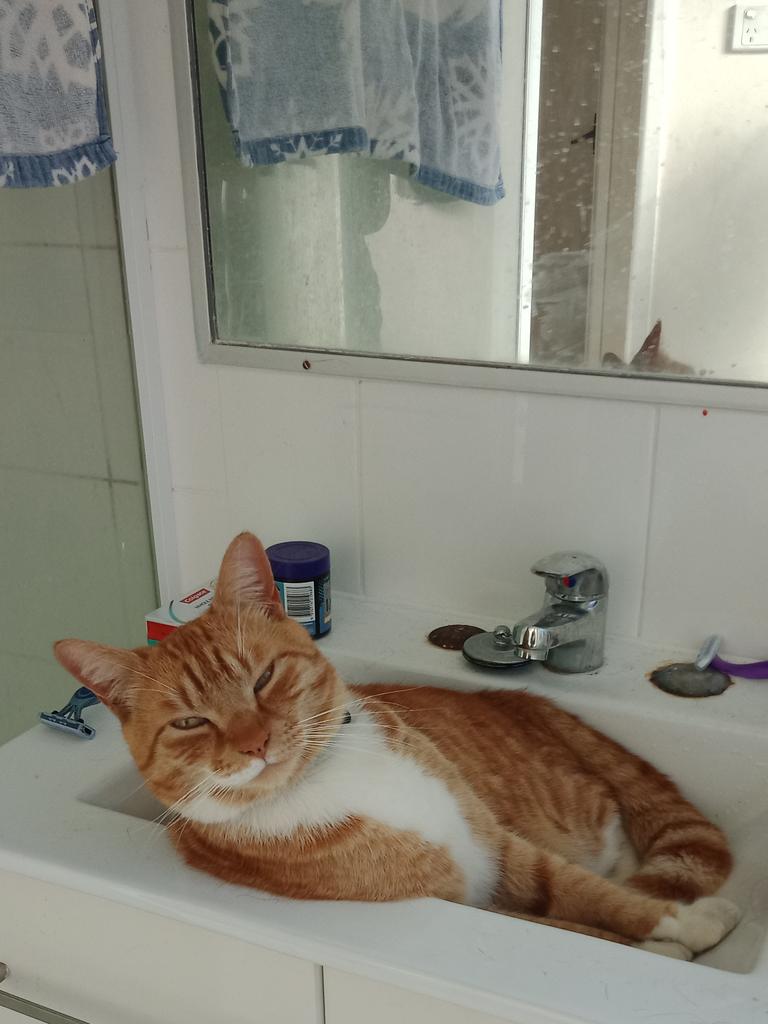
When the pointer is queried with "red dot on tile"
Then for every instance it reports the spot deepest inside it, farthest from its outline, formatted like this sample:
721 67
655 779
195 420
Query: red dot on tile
705 412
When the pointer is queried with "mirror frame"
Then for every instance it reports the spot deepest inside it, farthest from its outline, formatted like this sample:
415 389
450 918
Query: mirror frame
582 383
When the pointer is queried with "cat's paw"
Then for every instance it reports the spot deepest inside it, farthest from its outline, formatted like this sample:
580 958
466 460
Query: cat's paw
676 950
699 926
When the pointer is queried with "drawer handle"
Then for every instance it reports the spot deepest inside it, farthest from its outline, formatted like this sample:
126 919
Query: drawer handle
34 1011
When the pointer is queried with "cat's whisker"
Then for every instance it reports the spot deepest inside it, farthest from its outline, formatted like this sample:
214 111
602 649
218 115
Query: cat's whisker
185 822
381 722
329 711
355 749
252 610
193 789
351 702
132 793
405 710
391 694
239 632
143 675
321 737
173 813
387 693
187 797
166 693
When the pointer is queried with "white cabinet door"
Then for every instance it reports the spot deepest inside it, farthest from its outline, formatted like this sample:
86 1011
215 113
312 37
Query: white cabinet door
107 964
350 999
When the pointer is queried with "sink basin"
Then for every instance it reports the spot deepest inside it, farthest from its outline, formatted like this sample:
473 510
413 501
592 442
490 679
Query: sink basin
124 791
723 771
85 822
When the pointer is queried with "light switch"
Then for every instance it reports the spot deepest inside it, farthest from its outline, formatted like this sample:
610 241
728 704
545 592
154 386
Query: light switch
749 28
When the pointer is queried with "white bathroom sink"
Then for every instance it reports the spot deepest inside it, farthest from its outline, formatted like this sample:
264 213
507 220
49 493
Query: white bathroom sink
722 770
75 812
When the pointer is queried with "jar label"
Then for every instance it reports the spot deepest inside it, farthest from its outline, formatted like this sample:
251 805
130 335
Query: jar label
308 603
299 601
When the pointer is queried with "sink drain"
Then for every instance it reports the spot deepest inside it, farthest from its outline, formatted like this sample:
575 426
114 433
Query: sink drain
684 679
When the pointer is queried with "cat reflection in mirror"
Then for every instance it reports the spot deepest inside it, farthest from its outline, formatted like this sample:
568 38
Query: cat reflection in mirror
650 358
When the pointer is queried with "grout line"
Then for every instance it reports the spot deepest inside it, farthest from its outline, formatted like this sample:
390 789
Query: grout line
224 460
57 245
53 337
358 459
96 478
649 515
119 555
98 369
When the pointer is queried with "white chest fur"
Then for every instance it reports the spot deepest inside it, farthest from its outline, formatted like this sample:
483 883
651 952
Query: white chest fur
359 775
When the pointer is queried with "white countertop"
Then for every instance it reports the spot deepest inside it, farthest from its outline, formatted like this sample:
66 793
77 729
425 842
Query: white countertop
515 970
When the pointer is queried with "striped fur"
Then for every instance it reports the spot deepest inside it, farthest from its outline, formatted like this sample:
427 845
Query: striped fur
502 800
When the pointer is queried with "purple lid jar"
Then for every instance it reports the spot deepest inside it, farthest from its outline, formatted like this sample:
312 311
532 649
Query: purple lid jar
302 571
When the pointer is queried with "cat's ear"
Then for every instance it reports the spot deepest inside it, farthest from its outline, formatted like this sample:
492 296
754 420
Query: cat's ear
245 577
107 671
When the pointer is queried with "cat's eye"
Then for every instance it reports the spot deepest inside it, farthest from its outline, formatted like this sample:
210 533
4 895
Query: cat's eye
191 722
264 678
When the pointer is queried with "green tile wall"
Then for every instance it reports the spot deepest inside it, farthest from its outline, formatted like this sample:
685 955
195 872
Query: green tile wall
75 548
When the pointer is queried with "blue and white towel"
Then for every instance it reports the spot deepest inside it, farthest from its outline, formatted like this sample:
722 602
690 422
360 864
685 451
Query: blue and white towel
412 80
53 121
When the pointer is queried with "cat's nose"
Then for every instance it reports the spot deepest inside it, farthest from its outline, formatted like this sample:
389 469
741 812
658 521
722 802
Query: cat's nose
255 743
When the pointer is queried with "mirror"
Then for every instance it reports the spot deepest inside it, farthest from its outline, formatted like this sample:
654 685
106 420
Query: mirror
632 239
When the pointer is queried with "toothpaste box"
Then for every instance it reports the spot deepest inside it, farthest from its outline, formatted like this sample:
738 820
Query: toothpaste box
182 609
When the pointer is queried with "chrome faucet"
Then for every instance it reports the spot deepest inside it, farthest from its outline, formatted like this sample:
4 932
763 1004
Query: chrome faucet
568 632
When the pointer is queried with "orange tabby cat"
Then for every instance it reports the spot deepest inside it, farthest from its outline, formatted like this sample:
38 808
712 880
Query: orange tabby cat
289 780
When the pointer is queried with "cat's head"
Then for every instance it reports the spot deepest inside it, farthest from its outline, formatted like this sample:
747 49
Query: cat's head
236 703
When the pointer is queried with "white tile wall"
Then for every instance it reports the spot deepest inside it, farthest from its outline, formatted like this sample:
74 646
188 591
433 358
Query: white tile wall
135 559
445 496
463 490
204 526
437 485
296 473
192 389
707 561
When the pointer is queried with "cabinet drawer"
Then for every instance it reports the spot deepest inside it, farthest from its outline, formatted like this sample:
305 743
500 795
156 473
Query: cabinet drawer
109 964
350 999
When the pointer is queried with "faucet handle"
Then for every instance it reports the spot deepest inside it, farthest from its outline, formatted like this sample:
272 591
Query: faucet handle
573 576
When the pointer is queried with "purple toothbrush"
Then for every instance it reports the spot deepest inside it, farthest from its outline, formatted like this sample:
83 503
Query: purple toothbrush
708 658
